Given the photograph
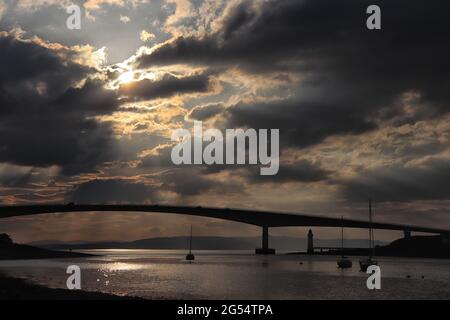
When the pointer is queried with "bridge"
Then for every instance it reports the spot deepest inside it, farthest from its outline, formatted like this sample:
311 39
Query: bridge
262 219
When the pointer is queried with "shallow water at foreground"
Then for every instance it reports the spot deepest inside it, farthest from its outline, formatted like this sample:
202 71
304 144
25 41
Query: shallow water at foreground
163 274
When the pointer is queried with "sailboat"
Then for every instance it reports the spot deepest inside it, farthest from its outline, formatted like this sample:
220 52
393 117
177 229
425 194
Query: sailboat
369 261
190 256
343 262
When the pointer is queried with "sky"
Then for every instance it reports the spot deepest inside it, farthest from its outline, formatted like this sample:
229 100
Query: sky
86 116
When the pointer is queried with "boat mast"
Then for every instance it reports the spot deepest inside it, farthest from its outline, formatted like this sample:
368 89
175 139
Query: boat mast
370 229
342 237
190 242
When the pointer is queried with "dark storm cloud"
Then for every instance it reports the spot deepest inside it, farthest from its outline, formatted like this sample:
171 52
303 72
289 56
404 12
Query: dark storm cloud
90 100
193 179
25 64
241 17
11 179
301 123
300 171
413 151
186 183
46 120
186 180
166 87
112 191
21 60
353 78
205 112
321 33
429 181
190 182
160 159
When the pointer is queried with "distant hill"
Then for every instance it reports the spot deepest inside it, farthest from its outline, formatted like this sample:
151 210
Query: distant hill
10 251
417 246
54 242
202 243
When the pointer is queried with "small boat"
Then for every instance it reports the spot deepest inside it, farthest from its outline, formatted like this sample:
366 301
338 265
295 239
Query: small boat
343 262
364 264
190 256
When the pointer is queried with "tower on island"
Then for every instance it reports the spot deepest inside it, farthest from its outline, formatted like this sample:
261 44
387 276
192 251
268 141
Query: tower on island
310 242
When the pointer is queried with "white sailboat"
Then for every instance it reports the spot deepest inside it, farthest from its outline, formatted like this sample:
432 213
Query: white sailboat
369 261
343 262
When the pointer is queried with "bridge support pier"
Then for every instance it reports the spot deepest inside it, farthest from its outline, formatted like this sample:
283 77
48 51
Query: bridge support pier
265 243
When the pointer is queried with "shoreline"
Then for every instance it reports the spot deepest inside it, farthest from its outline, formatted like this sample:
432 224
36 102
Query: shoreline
13 251
21 289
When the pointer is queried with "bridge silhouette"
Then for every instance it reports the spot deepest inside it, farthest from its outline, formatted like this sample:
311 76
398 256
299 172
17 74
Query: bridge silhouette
263 219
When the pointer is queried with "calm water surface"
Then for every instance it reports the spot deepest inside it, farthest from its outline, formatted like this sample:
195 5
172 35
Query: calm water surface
163 274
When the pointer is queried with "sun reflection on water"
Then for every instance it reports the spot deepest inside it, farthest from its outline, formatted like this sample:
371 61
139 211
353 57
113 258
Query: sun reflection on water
122 266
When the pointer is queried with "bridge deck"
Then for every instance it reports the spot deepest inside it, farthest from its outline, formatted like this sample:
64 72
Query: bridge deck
257 218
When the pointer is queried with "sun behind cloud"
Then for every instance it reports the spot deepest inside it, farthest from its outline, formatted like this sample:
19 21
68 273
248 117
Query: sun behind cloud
126 77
